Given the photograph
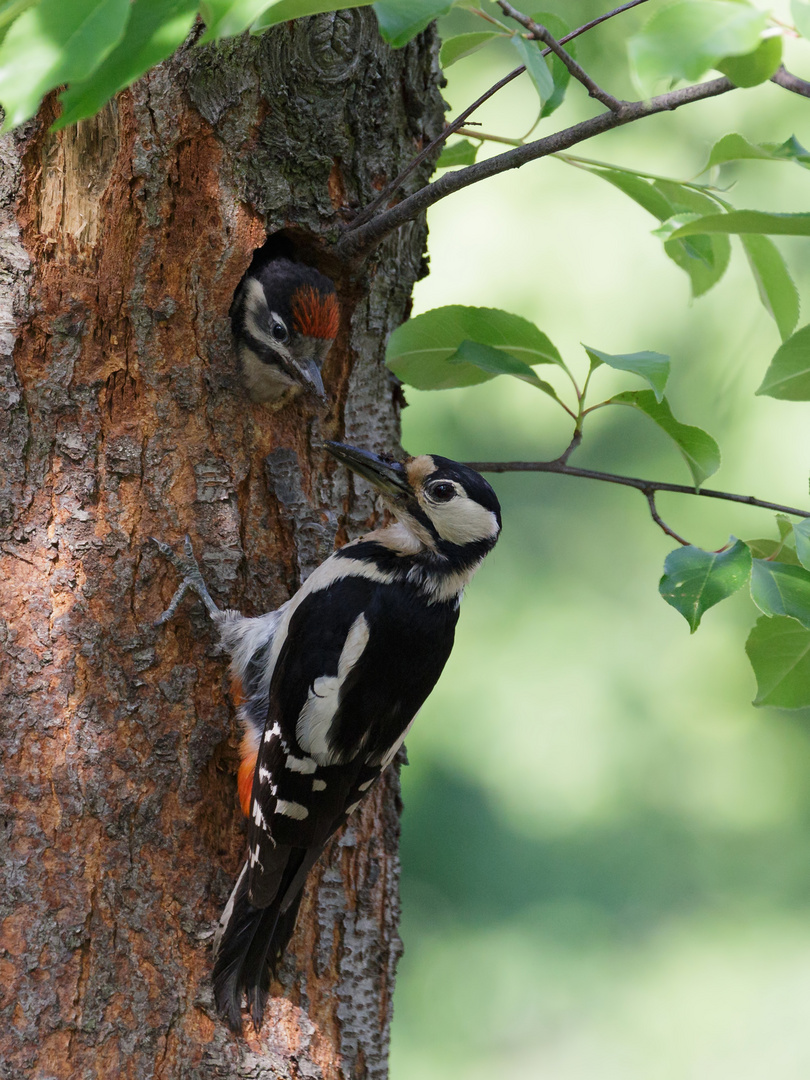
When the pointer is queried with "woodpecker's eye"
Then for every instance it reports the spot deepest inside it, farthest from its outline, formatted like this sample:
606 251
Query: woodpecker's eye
442 491
279 332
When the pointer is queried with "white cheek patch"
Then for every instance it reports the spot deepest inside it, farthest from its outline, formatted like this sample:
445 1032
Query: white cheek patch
462 521
315 722
257 315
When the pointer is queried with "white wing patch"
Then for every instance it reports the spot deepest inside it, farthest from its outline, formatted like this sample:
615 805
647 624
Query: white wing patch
291 809
319 785
301 765
315 722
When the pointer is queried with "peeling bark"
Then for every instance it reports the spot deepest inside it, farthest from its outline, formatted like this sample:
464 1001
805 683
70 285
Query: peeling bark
122 417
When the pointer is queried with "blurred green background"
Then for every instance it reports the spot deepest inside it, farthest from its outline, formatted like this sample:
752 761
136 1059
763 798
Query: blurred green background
606 848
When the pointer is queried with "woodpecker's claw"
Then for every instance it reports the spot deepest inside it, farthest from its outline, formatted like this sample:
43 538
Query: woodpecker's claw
192 579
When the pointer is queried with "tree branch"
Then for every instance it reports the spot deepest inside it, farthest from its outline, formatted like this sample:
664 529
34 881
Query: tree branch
360 239
540 33
647 487
783 77
368 212
365 215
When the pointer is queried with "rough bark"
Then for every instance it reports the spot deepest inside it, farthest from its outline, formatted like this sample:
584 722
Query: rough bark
122 417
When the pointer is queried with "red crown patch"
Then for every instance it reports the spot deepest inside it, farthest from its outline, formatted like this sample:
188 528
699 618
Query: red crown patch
315 314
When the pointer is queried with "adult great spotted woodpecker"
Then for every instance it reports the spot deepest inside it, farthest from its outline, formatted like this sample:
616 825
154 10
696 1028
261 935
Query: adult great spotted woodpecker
329 685
284 317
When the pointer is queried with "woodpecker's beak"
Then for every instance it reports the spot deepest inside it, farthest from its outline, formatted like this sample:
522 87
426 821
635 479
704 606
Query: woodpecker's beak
310 374
389 477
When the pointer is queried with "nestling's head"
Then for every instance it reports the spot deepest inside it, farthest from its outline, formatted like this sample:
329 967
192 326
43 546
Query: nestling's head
285 317
447 506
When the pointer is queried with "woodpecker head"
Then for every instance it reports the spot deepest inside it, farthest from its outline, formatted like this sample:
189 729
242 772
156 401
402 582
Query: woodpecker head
285 317
445 506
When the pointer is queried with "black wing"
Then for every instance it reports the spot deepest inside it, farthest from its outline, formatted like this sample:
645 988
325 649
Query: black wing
358 661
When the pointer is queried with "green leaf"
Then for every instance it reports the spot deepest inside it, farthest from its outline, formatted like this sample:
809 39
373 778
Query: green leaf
700 451
774 550
689 37
639 188
790 150
460 153
652 366
774 283
560 74
155 29
734 147
801 535
748 221
778 589
788 376
779 651
704 260
755 67
494 362
55 42
801 17
530 53
695 580
227 18
782 550
9 10
401 20
286 10
422 351
455 48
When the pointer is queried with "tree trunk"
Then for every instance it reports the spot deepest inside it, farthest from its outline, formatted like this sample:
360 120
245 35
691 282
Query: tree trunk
123 417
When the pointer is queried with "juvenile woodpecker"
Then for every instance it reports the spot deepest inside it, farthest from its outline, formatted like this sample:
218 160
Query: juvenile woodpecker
328 687
284 317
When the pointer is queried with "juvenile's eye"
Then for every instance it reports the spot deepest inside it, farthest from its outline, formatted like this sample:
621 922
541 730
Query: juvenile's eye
279 332
442 491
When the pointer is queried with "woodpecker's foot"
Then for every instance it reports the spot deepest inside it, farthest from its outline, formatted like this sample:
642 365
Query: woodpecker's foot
192 579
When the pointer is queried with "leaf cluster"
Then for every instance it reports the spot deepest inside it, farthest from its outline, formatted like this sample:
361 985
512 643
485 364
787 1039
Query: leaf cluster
98 47
777 573
456 346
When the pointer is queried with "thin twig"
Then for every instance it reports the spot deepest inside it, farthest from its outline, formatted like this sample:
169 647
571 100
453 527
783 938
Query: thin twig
485 136
541 33
786 79
572 446
384 197
357 240
659 521
645 486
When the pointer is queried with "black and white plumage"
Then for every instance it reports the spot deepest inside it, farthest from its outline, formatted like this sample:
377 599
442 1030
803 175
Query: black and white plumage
329 686
284 317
